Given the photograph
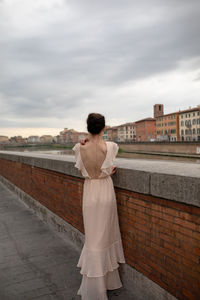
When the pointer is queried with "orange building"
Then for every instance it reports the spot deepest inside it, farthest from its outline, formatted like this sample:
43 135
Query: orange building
145 129
112 133
72 136
167 127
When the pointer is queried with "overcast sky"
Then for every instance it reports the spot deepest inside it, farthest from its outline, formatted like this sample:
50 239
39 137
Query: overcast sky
62 59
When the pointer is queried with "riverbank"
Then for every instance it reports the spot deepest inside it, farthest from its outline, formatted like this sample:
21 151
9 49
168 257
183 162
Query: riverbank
135 148
197 156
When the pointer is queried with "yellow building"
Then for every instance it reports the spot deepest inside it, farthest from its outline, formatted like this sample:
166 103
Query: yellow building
4 139
46 139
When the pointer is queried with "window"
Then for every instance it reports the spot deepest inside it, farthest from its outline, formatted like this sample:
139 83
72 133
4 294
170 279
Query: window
182 132
194 121
182 123
194 131
193 113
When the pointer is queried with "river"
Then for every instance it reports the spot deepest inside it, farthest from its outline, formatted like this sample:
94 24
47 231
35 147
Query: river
120 154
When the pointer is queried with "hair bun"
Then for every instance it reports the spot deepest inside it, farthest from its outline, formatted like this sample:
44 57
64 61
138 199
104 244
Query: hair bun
95 123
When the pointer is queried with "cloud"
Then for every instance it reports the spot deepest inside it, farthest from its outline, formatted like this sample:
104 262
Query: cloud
61 59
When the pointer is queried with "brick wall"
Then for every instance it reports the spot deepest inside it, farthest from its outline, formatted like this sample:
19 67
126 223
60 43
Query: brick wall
161 238
58 192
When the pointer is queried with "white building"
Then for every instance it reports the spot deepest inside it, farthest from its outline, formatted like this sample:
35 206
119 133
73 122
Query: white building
126 132
189 124
33 139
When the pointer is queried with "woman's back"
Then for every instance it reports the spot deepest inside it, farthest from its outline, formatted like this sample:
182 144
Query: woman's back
93 155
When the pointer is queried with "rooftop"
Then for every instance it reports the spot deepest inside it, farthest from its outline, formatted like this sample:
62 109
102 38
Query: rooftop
146 119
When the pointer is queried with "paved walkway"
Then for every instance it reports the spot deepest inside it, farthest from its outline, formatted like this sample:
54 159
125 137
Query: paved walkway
35 263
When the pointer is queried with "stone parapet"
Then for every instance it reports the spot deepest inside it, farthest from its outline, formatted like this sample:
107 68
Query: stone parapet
178 181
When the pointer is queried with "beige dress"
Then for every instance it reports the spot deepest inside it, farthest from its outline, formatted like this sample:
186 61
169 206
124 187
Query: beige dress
102 251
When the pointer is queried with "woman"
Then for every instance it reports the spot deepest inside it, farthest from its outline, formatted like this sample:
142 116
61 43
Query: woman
102 251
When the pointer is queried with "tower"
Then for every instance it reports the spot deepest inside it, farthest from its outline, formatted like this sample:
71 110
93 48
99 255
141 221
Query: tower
158 110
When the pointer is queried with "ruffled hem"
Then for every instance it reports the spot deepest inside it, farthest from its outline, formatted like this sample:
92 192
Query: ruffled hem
96 263
95 288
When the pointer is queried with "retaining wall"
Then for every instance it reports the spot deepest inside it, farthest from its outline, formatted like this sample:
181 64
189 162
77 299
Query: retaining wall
159 215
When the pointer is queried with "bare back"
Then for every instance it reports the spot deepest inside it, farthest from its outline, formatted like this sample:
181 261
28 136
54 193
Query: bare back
93 155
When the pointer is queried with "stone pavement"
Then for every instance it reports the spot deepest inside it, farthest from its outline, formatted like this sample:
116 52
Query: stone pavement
35 263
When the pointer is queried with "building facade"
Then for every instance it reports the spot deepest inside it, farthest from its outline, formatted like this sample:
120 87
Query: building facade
111 133
4 139
167 127
46 138
71 136
146 130
189 124
126 132
33 139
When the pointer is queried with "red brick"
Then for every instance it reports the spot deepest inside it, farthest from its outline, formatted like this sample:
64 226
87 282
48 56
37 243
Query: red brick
156 207
196 251
139 202
185 223
170 211
189 295
196 235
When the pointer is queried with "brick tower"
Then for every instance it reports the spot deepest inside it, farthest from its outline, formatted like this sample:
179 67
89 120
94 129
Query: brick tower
158 110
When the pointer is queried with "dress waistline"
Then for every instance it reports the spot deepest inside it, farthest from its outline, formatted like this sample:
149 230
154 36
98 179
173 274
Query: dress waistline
97 178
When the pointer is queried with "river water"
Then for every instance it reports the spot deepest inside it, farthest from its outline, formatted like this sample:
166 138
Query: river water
120 154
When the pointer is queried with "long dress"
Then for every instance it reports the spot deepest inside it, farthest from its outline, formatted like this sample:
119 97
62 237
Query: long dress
102 251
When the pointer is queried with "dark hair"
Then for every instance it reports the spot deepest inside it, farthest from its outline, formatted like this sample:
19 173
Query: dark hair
95 123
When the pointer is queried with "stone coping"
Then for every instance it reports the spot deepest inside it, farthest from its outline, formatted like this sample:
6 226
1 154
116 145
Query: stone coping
170 180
